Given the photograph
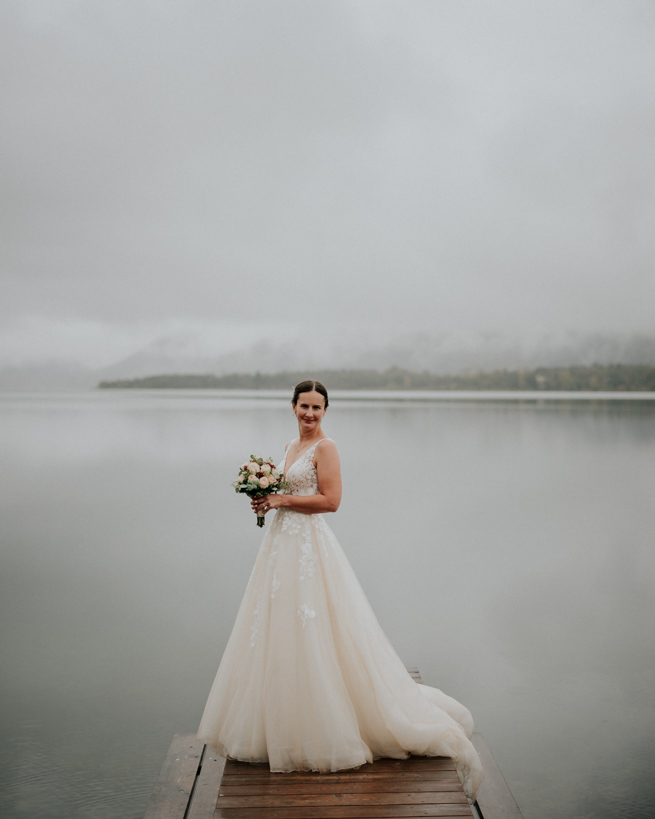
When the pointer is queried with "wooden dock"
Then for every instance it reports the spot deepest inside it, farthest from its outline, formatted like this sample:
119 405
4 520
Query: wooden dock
194 783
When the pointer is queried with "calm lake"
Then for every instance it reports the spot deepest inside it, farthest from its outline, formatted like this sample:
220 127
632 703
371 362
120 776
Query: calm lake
507 547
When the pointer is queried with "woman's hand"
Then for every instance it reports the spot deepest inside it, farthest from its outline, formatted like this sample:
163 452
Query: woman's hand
263 505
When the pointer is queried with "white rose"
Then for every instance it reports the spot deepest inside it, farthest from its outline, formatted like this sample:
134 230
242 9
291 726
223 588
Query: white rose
253 467
266 468
263 482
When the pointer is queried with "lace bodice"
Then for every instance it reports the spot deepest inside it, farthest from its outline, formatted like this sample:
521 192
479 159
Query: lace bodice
301 476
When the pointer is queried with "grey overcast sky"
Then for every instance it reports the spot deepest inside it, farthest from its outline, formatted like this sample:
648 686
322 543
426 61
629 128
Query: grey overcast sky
300 169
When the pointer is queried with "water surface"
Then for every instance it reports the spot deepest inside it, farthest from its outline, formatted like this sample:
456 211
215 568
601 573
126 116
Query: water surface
506 547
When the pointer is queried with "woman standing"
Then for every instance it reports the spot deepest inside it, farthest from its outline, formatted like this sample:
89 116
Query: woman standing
308 680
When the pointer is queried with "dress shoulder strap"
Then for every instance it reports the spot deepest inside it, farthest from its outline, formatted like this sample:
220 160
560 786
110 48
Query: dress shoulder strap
313 447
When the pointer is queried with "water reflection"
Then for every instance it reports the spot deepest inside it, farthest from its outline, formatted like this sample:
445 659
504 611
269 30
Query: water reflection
506 549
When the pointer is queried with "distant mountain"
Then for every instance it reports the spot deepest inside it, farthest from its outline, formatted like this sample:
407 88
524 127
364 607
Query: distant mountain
597 378
460 353
441 353
185 354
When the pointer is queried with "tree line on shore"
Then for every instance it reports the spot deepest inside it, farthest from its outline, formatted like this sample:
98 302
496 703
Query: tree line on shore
598 377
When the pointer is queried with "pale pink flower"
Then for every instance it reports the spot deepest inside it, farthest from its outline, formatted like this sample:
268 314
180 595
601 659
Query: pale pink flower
263 482
253 467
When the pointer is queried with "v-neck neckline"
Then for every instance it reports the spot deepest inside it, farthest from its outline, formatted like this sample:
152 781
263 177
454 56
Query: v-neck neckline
302 455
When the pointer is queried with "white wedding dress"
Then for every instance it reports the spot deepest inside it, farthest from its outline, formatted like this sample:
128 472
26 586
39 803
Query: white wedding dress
309 680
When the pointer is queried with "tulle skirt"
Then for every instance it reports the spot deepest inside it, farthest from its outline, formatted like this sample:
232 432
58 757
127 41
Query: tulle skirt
309 681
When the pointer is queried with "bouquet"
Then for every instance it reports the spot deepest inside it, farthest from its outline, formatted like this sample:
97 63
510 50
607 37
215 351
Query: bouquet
258 478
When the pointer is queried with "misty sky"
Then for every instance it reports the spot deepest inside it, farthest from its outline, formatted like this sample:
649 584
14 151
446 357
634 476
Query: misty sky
284 170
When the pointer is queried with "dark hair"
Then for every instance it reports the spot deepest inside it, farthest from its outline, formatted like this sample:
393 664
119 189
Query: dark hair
308 386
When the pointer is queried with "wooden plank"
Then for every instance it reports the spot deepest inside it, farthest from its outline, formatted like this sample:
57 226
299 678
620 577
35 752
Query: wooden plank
412 763
301 798
234 765
495 800
208 782
396 785
333 780
170 796
363 812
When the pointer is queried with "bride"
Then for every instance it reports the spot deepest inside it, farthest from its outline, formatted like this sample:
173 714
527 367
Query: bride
308 680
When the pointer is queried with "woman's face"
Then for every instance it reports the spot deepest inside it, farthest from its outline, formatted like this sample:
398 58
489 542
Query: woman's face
309 410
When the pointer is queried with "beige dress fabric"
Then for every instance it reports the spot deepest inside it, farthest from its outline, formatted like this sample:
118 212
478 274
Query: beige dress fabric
308 680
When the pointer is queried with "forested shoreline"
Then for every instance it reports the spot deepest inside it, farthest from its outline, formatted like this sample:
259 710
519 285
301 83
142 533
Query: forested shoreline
595 378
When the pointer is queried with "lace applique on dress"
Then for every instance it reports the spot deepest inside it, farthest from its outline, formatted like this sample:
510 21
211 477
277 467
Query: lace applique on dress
254 628
301 477
293 522
275 585
318 522
305 614
307 561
